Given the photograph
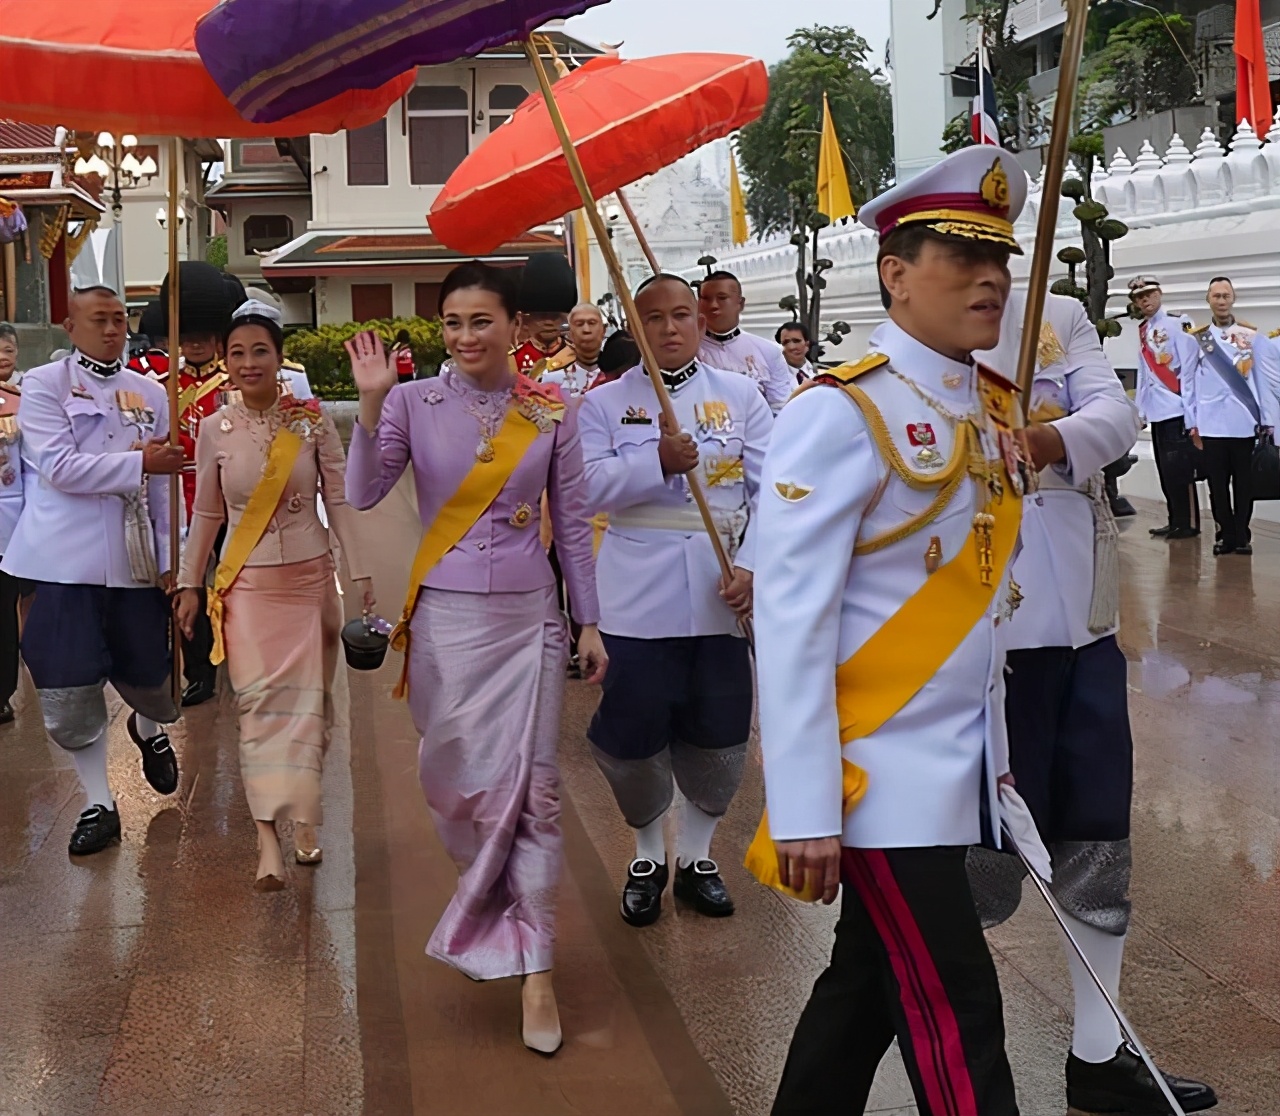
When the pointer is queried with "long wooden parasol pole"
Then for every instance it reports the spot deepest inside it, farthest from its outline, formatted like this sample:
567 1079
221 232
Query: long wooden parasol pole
171 383
624 295
1055 167
635 228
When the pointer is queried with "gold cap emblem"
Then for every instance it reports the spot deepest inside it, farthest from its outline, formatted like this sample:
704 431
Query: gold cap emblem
994 187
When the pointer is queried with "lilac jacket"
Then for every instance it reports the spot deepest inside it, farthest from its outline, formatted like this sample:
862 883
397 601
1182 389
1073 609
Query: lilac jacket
430 424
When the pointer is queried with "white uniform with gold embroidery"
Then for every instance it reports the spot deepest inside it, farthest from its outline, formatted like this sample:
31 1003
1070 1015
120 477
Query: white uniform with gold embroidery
1078 390
756 357
826 489
1209 404
657 573
1172 348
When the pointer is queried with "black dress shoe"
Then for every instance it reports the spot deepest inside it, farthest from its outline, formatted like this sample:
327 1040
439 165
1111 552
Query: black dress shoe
1183 533
6 714
1219 549
1124 1084
1160 532
95 830
159 764
1246 549
700 884
642 894
1121 508
197 693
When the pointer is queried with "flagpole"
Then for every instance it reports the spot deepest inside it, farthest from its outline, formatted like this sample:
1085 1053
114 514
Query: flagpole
635 228
1055 167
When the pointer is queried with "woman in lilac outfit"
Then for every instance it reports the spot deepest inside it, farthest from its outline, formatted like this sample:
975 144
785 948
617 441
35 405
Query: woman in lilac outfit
487 642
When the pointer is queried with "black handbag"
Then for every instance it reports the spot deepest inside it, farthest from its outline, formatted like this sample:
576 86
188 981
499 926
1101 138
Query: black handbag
1266 468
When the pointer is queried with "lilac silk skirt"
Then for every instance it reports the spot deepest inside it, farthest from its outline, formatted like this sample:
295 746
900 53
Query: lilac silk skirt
486 682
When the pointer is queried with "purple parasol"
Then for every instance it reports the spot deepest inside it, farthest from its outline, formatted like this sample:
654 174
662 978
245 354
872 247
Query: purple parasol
273 58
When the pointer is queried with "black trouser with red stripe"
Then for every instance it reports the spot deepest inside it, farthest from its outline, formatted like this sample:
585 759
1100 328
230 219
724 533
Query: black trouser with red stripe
909 962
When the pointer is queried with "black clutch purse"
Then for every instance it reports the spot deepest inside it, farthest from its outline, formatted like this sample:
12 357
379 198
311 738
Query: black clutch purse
1266 468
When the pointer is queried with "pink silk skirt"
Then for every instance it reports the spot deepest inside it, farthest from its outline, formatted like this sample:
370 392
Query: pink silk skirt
486 682
281 628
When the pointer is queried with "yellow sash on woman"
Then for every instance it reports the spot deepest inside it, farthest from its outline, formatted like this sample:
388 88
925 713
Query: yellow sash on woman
262 504
479 488
886 672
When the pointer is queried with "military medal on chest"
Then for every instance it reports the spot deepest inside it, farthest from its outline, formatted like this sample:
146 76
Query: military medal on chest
922 438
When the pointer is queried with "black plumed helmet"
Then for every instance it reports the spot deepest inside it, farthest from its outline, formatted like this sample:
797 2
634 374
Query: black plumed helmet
151 323
547 285
206 297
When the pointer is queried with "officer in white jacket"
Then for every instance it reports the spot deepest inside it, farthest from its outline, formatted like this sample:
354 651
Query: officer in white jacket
887 522
726 346
676 702
93 538
1067 706
1225 406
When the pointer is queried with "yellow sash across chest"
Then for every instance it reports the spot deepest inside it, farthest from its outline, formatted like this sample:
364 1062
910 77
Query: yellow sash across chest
885 673
261 506
479 488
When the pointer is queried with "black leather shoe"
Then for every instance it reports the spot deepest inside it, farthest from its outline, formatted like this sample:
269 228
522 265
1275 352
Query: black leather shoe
197 693
642 895
1246 549
1121 508
1124 1084
95 830
159 764
1160 532
1219 549
1183 533
6 714
700 884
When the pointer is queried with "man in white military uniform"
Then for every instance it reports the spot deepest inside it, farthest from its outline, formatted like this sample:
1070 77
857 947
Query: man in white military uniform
888 517
93 538
1070 747
1224 409
677 699
1166 356
726 346
586 337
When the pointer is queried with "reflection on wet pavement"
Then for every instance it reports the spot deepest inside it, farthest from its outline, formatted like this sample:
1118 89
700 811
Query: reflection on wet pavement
151 980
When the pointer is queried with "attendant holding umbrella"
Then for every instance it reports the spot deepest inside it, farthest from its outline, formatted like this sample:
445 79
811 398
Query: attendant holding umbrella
485 642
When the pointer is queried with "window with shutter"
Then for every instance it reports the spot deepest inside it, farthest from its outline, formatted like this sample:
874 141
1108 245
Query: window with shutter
367 155
503 101
439 132
370 301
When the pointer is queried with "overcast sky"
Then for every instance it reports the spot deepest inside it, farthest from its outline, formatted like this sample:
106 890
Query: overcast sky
755 27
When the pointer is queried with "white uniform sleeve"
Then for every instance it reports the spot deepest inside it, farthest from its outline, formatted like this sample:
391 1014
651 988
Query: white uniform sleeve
1103 424
617 476
781 382
1188 351
1266 367
755 442
818 476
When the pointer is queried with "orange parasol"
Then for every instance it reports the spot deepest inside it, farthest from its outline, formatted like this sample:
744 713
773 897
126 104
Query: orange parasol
131 66
626 119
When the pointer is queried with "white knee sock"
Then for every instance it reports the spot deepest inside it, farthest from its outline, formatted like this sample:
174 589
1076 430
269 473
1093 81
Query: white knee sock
694 840
650 844
1097 1034
91 765
147 728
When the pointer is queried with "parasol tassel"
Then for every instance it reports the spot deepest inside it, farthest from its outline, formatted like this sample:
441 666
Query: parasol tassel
1104 606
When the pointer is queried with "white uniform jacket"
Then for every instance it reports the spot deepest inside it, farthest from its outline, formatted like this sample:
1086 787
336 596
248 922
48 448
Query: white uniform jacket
80 456
756 357
1055 565
657 574
1266 365
11 499
1209 404
573 379
296 378
1172 348
816 604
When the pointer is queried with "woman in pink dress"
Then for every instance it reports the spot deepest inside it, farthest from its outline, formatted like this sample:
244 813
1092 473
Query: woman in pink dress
280 613
487 645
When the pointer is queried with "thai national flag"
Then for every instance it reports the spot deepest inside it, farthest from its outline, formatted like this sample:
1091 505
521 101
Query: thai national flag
983 118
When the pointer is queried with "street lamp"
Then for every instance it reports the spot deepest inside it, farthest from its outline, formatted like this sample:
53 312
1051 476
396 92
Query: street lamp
162 218
114 160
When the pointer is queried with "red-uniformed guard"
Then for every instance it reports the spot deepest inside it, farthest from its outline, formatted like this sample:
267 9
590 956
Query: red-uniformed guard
548 291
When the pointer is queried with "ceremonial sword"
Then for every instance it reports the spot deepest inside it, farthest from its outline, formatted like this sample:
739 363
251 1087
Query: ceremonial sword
1129 1033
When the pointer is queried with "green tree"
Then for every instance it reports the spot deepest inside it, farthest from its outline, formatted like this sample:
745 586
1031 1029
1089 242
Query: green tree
779 151
216 250
1142 70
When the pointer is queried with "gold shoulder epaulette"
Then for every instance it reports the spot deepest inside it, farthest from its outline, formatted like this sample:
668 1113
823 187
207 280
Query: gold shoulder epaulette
1195 329
1274 333
293 364
562 359
991 375
847 373
1247 325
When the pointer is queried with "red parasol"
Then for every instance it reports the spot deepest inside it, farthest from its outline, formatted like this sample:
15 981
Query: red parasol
626 119
131 66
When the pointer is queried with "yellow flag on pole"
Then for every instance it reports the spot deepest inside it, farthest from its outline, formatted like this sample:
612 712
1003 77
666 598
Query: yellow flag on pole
737 204
582 250
834 198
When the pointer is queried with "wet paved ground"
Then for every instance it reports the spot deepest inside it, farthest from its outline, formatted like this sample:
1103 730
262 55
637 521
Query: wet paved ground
151 981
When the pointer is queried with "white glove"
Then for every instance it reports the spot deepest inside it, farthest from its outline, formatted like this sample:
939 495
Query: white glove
1020 827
